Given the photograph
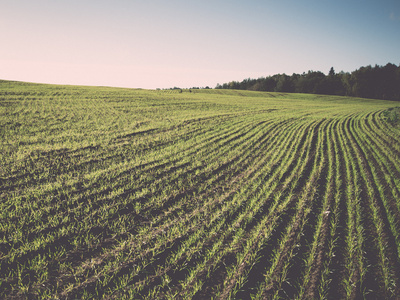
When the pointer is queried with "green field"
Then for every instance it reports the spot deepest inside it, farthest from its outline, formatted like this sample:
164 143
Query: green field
137 194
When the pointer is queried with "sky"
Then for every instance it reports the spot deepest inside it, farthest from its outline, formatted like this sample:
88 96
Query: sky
186 43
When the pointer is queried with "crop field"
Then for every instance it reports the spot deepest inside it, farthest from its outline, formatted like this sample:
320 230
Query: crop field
113 193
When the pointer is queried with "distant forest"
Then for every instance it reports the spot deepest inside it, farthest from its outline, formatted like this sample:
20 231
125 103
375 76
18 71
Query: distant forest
379 82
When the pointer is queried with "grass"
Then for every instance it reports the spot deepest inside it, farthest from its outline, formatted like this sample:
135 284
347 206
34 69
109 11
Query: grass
140 194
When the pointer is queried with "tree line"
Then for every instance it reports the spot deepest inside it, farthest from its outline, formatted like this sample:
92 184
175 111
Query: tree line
379 82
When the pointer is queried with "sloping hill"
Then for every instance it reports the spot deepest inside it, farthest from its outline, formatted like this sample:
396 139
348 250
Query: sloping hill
123 193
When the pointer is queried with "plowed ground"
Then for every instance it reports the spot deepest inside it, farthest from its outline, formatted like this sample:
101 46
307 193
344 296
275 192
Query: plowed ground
134 194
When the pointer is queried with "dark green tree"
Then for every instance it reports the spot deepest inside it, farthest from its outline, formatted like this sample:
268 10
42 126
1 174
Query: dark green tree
331 72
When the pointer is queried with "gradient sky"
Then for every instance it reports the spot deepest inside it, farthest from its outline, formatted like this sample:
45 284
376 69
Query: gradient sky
185 43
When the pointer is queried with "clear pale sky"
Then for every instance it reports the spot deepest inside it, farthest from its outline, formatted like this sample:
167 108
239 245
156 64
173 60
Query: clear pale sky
185 43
